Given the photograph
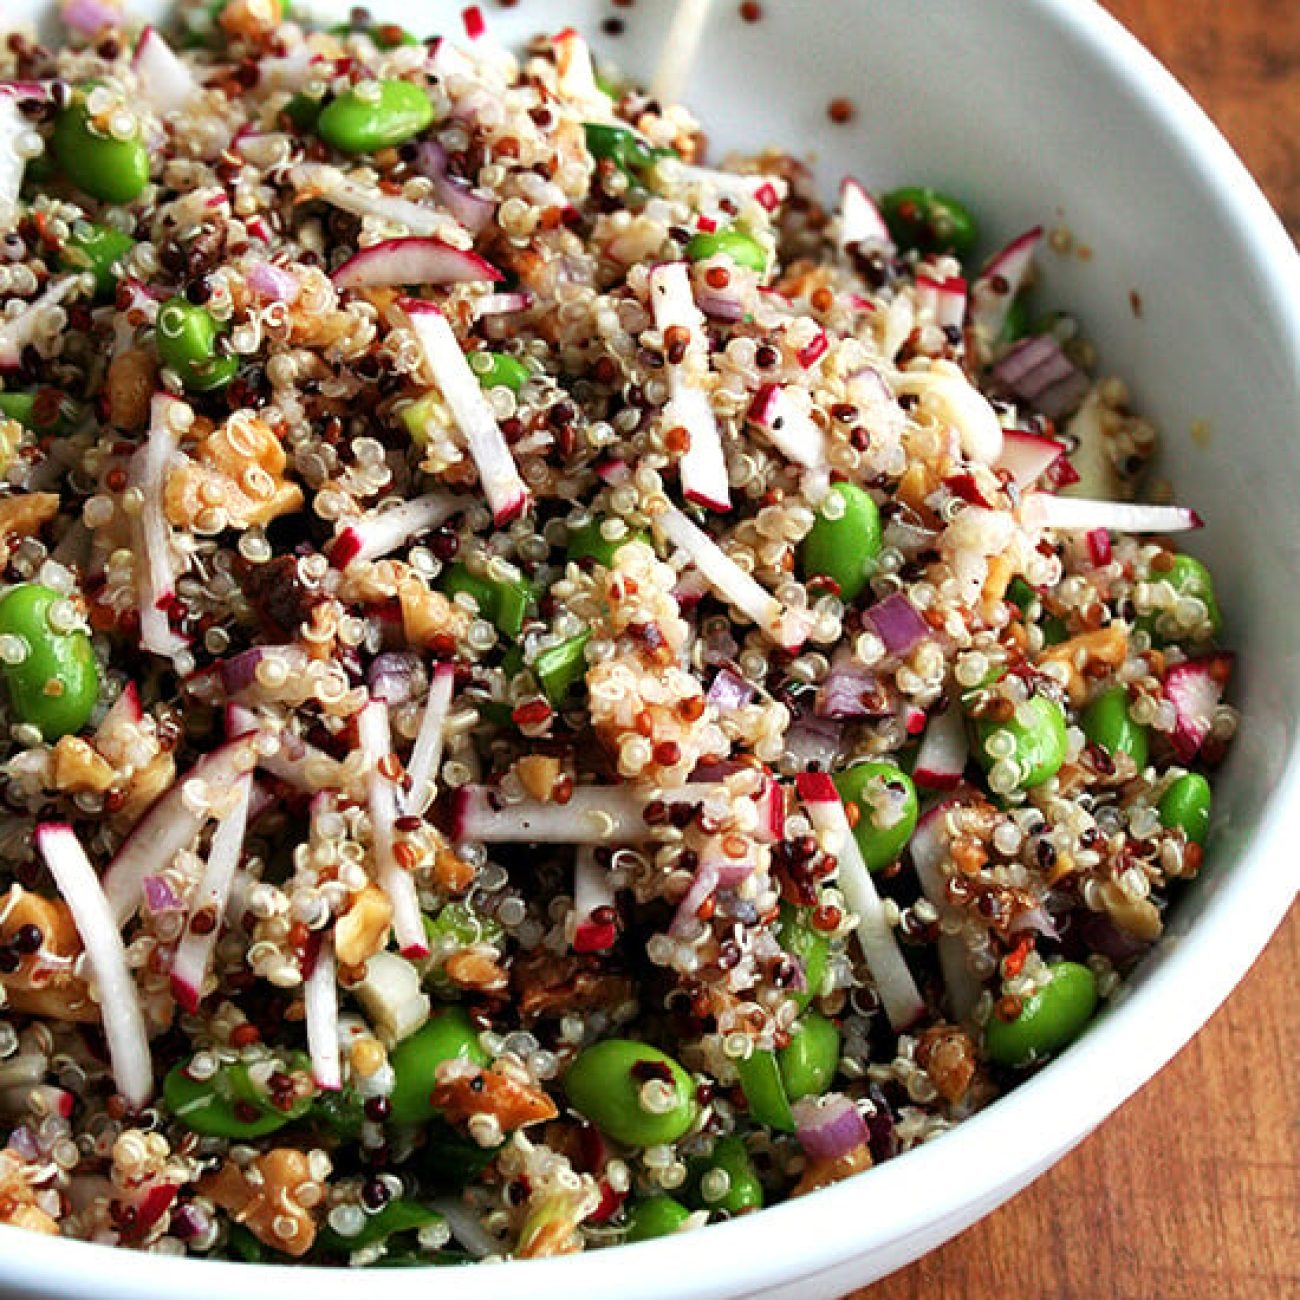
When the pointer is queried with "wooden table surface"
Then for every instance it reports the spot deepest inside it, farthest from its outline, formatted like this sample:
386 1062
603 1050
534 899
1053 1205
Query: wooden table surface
1192 1191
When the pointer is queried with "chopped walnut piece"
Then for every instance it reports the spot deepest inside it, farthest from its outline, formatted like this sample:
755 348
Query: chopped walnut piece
947 1054
142 787
429 619
132 381
822 1173
547 985
18 1207
451 873
78 769
44 983
512 1102
1136 916
363 929
250 19
1107 647
274 1201
538 774
26 513
473 968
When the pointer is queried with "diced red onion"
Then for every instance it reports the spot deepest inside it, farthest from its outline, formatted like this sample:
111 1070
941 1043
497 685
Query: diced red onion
321 1003
814 742
426 754
829 1127
239 677
898 624
1039 373
721 306
89 17
729 690
392 677
473 210
160 897
710 875
1039 920
119 999
1101 935
850 690
272 282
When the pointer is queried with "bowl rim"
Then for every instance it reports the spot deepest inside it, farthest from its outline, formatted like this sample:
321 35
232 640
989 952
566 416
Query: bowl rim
1053 1111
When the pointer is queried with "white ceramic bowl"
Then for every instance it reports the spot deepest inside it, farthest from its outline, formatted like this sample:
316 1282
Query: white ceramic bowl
1033 111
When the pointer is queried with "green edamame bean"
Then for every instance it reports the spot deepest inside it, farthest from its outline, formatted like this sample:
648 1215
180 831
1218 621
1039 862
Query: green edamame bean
929 221
1036 745
448 1035
887 809
590 543
1186 806
55 684
230 1103
98 249
610 1082
375 115
386 36
795 933
186 337
304 110
844 542
104 166
656 1216
808 1063
45 411
505 604
499 370
1190 580
1107 722
245 1246
449 1161
623 147
762 1082
559 668
340 1111
393 1219
741 248
1017 323
740 1190
1049 1020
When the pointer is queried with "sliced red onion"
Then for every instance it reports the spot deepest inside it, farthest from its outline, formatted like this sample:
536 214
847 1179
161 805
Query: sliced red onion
720 306
850 690
860 219
1000 281
679 49
157 573
898 624
460 388
471 208
501 304
119 999
594 814
376 743
829 1126
789 425
1064 397
945 299
941 759
729 691
814 742
710 876
194 954
173 821
321 1004
703 467
387 530
1039 510
273 283
426 755
239 677
894 983
160 897
366 200
1027 457
1037 372
413 260
788 628
592 892
946 390
89 17
392 677
16 332
1038 920
1195 689
166 82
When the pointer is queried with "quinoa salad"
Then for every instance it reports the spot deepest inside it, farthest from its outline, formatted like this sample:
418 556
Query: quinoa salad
556 689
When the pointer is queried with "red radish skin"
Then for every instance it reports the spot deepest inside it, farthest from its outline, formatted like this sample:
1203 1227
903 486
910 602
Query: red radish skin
860 219
386 531
1195 689
416 259
945 747
1028 457
999 282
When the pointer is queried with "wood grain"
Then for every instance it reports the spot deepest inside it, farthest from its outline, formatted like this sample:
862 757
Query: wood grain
1192 1191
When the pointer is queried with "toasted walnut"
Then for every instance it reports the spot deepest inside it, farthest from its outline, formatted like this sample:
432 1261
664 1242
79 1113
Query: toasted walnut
947 1054
512 1102
476 968
1136 916
250 19
822 1173
538 774
363 929
429 619
275 1201
18 1204
132 379
1087 654
547 985
78 769
44 984
451 873
27 513
237 474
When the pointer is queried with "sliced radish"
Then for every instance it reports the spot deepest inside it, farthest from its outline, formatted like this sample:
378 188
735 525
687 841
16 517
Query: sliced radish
768 191
946 391
377 745
894 982
119 999
576 79
320 180
500 304
167 83
945 299
386 531
1095 472
1039 510
1027 457
157 572
703 467
941 759
860 219
1195 689
207 904
593 894
460 388
426 755
788 628
594 814
13 125
1099 547
679 50
321 1004
999 282
173 821
784 416
18 332
415 259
